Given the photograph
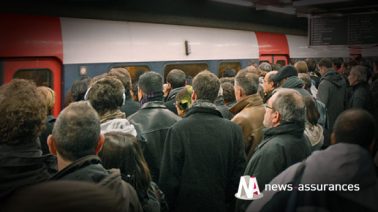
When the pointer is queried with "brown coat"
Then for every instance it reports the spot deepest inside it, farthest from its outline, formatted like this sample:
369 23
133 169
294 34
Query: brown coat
249 115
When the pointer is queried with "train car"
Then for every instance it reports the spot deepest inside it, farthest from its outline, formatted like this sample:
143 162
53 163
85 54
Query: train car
55 51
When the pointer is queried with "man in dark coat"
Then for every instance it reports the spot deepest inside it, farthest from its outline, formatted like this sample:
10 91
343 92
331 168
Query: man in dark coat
347 162
152 121
361 96
203 154
176 80
284 142
332 91
22 115
76 141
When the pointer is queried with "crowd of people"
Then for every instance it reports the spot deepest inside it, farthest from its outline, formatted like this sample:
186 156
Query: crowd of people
184 147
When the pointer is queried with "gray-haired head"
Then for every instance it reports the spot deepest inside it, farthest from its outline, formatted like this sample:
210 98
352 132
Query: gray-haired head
248 82
289 104
266 67
360 72
76 131
206 86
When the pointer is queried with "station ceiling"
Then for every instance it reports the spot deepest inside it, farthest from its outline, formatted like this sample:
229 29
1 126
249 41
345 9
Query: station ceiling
284 16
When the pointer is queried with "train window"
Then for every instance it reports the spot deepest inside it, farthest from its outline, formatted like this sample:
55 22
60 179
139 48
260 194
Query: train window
190 69
42 77
228 65
136 71
281 62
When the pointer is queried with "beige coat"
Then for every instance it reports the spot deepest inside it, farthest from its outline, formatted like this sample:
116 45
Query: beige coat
249 115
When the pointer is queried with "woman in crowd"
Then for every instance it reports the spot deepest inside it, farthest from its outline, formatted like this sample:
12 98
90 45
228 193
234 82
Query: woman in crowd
122 151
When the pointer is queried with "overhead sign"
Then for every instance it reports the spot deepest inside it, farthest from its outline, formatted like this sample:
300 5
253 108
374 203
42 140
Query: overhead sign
358 29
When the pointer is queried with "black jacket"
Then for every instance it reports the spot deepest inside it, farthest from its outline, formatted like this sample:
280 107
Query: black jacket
202 162
49 125
340 164
22 165
89 169
152 122
361 97
130 107
281 147
332 92
170 100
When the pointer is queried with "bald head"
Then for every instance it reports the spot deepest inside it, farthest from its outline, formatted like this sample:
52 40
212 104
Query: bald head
76 131
354 126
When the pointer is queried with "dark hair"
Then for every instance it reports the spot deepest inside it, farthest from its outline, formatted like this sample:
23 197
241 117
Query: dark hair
106 94
229 73
150 82
22 112
355 126
76 131
206 86
311 64
176 78
123 75
337 62
312 112
249 82
122 151
79 88
325 62
228 92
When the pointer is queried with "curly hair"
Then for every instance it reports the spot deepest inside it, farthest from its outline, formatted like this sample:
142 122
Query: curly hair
23 112
106 94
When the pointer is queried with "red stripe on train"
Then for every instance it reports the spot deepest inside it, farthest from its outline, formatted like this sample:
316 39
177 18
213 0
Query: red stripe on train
30 36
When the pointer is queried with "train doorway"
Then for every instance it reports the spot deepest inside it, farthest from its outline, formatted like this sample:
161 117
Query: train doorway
43 71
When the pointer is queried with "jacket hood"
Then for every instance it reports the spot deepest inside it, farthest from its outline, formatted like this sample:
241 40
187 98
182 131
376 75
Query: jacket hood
341 163
118 125
248 101
334 78
293 82
315 135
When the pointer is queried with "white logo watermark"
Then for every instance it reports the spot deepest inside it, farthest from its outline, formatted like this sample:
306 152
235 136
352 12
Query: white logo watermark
248 188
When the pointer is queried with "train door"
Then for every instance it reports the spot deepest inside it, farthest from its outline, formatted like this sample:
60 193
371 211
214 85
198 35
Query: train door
273 47
43 71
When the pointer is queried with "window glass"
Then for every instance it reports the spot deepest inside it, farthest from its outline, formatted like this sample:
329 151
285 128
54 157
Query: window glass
228 65
190 70
42 77
136 71
281 62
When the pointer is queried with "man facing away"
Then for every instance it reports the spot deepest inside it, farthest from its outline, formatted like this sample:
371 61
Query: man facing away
176 80
348 162
76 141
249 110
284 142
332 91
203 154
153 120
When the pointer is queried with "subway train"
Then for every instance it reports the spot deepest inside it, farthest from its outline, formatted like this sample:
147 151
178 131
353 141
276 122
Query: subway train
55 51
